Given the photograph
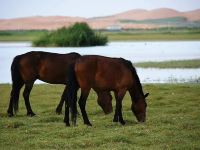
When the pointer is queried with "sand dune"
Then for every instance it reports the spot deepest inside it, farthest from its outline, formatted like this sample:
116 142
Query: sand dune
54 22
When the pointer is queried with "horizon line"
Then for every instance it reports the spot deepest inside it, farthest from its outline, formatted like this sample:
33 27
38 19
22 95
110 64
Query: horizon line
99 16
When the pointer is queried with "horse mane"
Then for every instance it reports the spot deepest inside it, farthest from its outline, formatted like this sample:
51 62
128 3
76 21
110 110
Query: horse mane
130 66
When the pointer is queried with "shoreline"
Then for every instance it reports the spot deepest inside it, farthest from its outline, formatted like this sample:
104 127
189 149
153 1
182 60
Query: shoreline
182 34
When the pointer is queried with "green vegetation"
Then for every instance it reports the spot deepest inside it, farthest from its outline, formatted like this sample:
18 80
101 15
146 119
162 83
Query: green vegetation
124 35
21 35
173 21
80 34
156 21
162 34
173 122
153 37
195 63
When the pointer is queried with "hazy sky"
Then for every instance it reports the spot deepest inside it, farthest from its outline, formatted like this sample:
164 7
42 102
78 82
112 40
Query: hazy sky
86 8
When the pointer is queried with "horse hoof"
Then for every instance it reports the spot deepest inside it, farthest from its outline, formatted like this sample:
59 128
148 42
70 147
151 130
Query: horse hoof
10 114
123 123
108 111
67 124
31 114
58 111
89 124
115 120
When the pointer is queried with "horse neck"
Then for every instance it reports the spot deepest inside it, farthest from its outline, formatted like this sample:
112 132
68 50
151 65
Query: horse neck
135 94
136 91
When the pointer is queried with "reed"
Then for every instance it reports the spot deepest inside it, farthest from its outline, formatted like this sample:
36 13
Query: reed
80 34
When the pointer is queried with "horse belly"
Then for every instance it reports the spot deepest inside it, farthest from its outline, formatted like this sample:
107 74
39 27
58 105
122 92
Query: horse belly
53 75
104 84
113 82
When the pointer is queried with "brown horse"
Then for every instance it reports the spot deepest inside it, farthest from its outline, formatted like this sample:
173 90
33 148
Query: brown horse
48 67
104 74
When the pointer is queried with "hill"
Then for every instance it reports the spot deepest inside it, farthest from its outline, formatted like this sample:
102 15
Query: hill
137 18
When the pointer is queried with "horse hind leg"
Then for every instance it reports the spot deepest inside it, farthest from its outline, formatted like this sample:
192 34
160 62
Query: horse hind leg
118 110
26 94
60 105
82 103
14 97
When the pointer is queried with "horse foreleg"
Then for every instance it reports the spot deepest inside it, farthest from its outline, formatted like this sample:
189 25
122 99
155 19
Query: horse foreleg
66 118
118 110
26 94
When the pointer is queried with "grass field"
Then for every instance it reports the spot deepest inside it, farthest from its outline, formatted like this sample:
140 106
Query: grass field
195 63
153 37
162 34
173 122
20 35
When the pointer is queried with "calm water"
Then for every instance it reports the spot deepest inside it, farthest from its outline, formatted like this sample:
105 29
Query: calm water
134 51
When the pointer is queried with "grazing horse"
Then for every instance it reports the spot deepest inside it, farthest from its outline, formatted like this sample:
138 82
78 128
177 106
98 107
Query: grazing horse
104 74
48 67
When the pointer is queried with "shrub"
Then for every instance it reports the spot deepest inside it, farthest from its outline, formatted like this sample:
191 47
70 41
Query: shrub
80 34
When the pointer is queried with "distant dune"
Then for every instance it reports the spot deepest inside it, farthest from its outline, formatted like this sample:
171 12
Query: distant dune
137 18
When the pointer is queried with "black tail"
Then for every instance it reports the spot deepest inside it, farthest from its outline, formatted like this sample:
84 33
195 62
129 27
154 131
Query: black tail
16 79
72 92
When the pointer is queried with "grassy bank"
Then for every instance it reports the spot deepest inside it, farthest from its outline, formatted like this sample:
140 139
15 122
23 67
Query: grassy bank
153 37
160 34
173 122
195 63
127 35
6 36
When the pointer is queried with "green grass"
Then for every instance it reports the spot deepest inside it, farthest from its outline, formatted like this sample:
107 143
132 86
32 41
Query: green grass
28 35
77 35
161 34
172 20
173 122
195 63
152 36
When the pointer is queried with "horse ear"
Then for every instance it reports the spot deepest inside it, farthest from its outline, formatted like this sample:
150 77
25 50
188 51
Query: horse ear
146 95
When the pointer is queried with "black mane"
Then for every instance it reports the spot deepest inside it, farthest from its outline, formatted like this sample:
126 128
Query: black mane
130 66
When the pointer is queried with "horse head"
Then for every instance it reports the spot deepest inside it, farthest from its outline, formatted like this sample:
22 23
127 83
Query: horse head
139 108
105 101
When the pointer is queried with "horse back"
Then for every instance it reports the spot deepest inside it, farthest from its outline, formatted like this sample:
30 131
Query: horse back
48 67
103 72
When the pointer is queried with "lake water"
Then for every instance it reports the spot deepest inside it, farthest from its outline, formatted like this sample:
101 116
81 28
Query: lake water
134 51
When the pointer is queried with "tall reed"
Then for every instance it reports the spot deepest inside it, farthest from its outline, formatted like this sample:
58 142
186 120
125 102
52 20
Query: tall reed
80 34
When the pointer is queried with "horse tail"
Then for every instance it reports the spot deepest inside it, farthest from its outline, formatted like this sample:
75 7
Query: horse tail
16 79
72 92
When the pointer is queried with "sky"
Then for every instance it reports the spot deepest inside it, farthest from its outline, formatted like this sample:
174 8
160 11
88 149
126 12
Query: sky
86 8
